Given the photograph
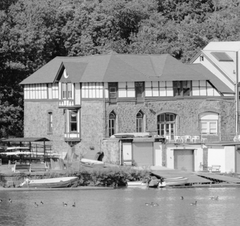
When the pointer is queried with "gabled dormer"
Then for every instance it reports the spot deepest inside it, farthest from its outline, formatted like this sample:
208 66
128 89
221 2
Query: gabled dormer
68 79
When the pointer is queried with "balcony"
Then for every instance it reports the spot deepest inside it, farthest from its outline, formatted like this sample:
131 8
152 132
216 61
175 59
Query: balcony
70 137
186 139
66 103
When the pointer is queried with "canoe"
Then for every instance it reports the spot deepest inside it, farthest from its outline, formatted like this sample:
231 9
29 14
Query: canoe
173 181
59 182
136 184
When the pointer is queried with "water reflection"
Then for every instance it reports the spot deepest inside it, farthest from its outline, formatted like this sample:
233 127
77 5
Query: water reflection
122 207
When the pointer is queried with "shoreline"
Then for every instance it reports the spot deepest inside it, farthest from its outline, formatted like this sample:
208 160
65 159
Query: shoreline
18 189
57 189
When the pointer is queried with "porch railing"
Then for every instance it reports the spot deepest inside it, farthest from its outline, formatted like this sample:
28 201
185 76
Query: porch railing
186 139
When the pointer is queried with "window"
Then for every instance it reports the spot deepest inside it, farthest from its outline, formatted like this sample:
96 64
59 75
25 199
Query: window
50 122
73 121
112 123
67 90
139 122
182 88
113 88
209 123
64 90
166 125
139 90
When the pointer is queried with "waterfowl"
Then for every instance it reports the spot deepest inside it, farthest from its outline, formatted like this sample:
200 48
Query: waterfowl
181 197
64 204
41 202
10 200
214 198
154 204
36 204
151 204
1 200
194 203
74 205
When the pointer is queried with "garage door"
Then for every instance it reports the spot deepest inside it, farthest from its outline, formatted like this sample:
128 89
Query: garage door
143 154
183 159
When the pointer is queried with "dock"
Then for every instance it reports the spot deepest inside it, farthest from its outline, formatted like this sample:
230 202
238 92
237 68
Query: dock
219 177
197 179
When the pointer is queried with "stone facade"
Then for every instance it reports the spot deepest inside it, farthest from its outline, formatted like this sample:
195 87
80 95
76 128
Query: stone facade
94 122
187 110
92 126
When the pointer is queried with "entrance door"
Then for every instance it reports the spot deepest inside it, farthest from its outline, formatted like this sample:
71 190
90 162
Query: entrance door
183 159
126 153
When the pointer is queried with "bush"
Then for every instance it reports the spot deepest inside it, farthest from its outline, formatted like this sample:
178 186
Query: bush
107 177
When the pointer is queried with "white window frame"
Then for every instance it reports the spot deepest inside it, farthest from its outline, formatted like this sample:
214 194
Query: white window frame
211 121
167 127
140 122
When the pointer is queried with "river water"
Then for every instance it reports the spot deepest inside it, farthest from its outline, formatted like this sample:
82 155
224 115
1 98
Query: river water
121 207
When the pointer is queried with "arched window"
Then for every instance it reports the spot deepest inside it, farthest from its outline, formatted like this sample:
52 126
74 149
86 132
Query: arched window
139 122
166 125
112 123
209 123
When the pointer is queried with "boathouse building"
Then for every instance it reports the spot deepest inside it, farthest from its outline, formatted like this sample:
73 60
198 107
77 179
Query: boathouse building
124 104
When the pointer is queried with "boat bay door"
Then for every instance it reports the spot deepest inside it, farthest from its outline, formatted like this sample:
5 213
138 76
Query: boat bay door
184 159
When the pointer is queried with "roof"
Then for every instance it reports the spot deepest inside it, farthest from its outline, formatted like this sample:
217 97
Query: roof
224 143
223 46
116 68
221 86
26 139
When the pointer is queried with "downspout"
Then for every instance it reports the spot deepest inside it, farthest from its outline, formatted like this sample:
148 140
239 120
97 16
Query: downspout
237 109
105 112
237 95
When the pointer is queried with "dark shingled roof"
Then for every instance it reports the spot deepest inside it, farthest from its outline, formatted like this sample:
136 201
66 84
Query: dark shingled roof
116 68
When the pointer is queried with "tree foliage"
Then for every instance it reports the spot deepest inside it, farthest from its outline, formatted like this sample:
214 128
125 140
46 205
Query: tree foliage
33 32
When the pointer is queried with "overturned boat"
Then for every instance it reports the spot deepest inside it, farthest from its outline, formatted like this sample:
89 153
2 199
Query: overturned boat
58 182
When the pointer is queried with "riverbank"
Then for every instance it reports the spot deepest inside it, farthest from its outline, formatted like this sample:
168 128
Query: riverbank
114 177
111 176
57 189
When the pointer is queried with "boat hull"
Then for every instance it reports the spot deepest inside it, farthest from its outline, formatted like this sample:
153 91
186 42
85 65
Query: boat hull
175 181
136 184
61 182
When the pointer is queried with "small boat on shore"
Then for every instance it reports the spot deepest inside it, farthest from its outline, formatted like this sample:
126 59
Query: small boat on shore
58 182
157 183
136 184
173 181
